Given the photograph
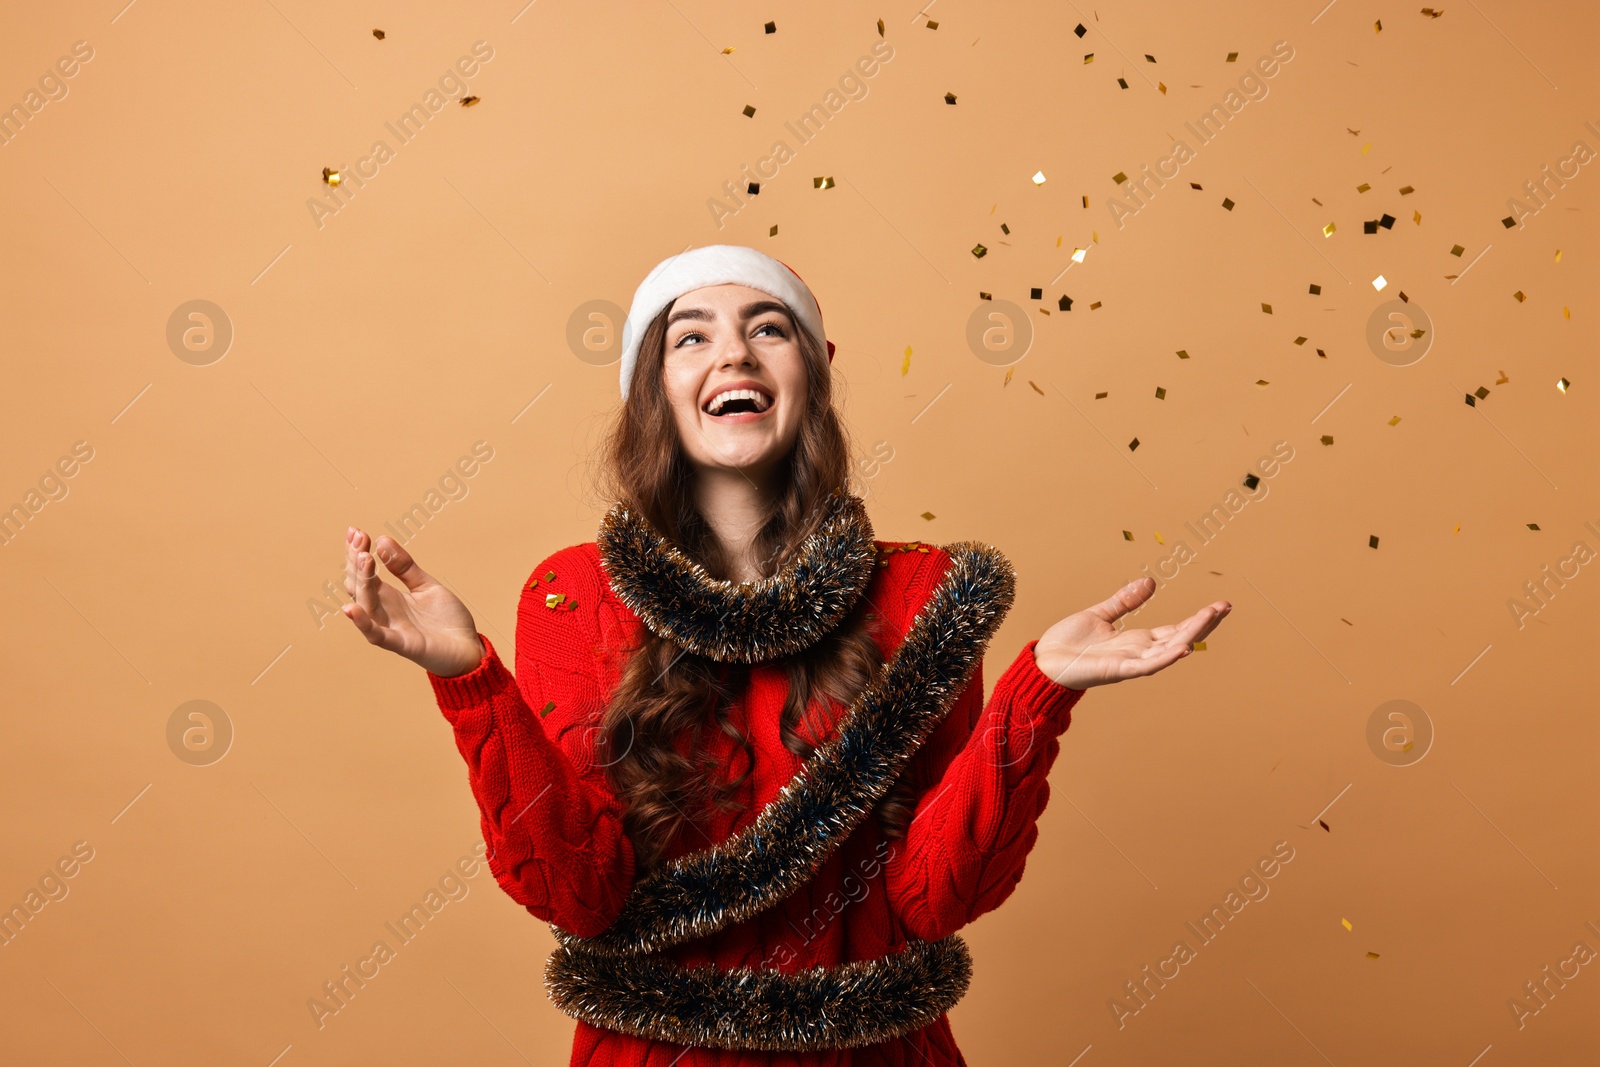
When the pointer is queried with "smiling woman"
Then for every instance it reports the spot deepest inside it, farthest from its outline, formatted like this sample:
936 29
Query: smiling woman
735 698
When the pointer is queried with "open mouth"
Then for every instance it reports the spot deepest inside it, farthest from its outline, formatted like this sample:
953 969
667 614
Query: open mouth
732 403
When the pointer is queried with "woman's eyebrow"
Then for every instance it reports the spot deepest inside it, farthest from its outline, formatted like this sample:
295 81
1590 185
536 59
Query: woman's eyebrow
749 311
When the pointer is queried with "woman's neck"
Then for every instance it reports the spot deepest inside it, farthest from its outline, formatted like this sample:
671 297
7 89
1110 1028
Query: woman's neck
736 507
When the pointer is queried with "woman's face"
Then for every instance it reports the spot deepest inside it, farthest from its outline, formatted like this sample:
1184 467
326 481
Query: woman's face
732 336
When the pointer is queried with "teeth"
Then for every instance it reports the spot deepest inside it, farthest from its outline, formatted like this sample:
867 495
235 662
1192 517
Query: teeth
761 402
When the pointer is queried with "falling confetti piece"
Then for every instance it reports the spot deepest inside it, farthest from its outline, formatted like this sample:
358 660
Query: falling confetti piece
379 34
749 112
1508 222
1502 379
1065 303
331 176
1119 177
1558 255
932 25
1133 446
905 364
1266 308
1009 372
1324 826
1038 179
1035 387
1406 190
1232 57
1149 57
1227 203
950 98
1327 231
727 50
1101 396
1372 955
1094 306
1372 540
1088 58
1346 923
1456 250
1377 27
1431 13
1379 282
1481 393
1183 354
1363 187
1079 29
1316 290
1078 254
1533 526
880 27
1322 354
1161 393
1262 383
468 101
1163 87
1386 221
1566 312
1563 385
1127 535
773 232
1416 217
1458 528
1300 340
1395 421
1122 82
1346 621
1327 439
979 251
1518 296
928 515
822 183
771 27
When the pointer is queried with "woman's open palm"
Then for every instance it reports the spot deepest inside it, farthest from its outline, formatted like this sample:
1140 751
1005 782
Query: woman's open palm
1084 649
423 621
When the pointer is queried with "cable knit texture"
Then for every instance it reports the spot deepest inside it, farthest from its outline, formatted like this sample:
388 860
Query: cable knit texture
555 836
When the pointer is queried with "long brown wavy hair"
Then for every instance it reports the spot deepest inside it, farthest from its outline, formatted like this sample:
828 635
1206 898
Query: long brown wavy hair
667 697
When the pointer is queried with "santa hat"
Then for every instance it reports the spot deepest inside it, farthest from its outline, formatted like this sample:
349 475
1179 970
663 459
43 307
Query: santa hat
716 265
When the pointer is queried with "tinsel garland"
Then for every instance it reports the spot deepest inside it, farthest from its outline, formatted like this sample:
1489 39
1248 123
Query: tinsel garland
741 622
620 980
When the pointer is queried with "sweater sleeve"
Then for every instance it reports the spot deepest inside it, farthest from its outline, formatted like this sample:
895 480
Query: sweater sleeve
554 831
976 819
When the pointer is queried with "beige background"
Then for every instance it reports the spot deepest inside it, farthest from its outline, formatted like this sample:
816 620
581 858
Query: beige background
432 310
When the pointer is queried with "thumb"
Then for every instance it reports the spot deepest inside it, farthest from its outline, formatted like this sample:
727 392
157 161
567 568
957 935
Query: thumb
400 563
1125 599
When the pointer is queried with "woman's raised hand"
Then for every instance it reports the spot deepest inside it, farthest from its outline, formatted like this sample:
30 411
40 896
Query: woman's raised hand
1085 649
424 621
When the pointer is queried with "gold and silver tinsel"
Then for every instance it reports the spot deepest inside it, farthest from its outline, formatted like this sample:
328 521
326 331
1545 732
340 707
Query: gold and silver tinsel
620 980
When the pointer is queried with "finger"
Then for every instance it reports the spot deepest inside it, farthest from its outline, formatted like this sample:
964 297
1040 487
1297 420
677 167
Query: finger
352 545
401 565
1125 599
382 636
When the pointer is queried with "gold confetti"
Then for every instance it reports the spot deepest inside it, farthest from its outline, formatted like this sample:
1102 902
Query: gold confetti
928 515
1327 439
1379 282
1558 255
749 112
553 600
1327 231
880 27
1372 540
1182 354
1324 825
1563 385
727 50
1198 646
1262 383
1372 955
1458 528
1009 372
1267 308
1456 250
905 364
1365 149
932 25
1346 924
1406 190
468 101
379 34
1300 340
1431 13
549 576
979 251
1377 27
549 706
1232 57
1089 58
1227 203
1533 526
1035 387
1502 379
331 176
1039 179
1127 535
822 183
1159 539
1163 87
773 232
1518 296
1119 177
1094 305
1101 396
1133 446
1566 312
771 27
1316 290
1161 393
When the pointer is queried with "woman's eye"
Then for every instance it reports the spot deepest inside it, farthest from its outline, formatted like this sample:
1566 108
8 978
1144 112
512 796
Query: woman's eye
764 326
771 325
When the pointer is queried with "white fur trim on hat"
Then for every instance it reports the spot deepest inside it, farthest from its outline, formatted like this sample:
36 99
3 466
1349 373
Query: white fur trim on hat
715 265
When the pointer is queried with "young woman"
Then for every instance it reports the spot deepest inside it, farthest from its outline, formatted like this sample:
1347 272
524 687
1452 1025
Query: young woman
745 768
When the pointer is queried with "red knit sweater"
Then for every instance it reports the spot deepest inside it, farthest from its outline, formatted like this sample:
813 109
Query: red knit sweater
555 835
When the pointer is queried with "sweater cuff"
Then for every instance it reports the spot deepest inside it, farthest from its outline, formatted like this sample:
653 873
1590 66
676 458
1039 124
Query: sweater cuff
1034 690
487 680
